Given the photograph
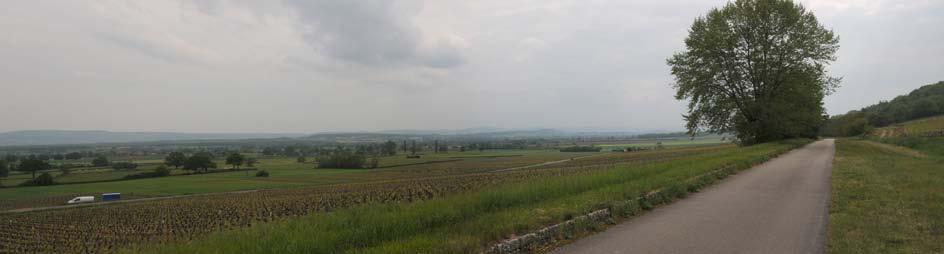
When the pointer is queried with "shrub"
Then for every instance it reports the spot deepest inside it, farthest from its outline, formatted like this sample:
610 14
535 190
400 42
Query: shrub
100 161
262 173
161 171
342 159
581 149
41 180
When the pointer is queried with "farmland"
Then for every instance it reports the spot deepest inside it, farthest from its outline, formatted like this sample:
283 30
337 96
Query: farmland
285 173
184 219
468 222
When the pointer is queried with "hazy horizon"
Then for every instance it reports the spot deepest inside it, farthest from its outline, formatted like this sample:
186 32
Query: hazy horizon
293 66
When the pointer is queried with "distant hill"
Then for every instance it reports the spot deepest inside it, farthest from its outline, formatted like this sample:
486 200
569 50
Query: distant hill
926 101
61 137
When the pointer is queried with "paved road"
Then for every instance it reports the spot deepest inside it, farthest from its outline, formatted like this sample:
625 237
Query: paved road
778 207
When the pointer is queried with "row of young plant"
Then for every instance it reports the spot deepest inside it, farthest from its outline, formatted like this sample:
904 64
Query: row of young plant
469 222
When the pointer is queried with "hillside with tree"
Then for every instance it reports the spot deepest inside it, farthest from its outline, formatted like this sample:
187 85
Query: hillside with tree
926 101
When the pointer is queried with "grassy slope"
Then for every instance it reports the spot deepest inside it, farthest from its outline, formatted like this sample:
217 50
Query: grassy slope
467 222
887 199
285 173
919 126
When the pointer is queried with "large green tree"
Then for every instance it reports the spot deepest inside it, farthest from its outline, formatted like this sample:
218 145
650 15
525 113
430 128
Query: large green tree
198 161
756 68
33 165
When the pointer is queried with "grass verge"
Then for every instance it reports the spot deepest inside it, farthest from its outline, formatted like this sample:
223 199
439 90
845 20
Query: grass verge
887 200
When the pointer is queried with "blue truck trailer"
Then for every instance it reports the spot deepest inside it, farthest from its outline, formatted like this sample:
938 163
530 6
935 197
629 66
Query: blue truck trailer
111 196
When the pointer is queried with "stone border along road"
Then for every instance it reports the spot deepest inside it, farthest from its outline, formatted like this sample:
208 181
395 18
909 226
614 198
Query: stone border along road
777 207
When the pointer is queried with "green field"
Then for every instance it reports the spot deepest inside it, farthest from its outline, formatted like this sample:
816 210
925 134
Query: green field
887 199
466 223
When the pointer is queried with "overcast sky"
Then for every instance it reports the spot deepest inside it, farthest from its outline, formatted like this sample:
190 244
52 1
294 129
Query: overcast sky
345 65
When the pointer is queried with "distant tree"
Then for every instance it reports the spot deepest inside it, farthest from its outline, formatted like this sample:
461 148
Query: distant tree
176 159
43 180
198 161
58 157
342 159
251 162
290 151
756 68
389 148
161 171
100 161
413 148
11 159
4 169
32 165
300 159
269 151
235 159
73 156
124 165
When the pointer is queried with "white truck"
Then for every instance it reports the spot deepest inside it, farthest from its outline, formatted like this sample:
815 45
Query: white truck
82 199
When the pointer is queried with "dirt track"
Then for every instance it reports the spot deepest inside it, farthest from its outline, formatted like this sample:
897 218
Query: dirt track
778 207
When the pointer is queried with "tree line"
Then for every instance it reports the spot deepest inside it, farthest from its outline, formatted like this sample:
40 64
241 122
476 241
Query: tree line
923 102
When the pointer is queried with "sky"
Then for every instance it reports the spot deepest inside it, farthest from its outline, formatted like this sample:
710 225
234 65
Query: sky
367 65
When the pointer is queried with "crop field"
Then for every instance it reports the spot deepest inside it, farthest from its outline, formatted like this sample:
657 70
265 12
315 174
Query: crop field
285 173
887 199
184 219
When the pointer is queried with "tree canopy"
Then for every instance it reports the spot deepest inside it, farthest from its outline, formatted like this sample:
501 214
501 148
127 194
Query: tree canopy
201 160
756 68
235 160
176 159
32 165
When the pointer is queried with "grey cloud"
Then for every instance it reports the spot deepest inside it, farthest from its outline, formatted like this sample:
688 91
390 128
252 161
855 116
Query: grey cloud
373 33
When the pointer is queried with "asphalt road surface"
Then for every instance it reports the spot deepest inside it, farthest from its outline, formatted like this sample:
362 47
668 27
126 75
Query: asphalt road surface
778 207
